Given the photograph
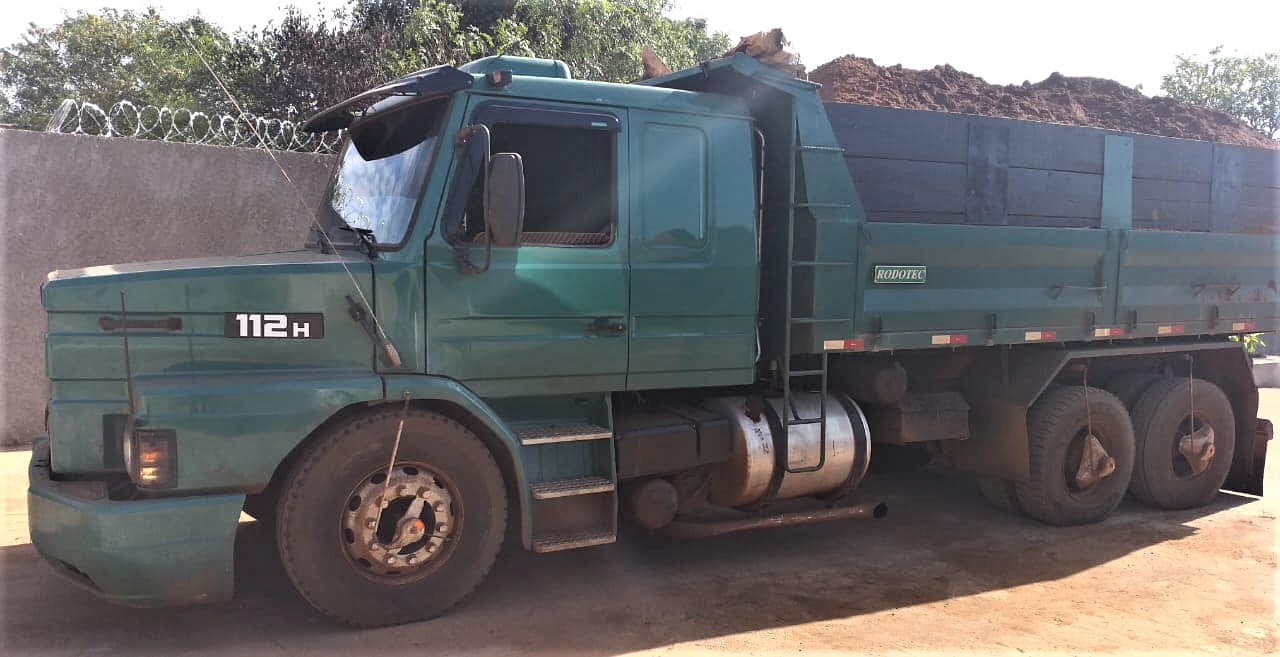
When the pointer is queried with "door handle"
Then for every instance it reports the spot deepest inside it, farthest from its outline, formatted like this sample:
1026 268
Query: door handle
606 327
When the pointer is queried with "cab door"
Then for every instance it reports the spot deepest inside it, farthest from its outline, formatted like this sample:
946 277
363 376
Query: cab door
548 316
694 258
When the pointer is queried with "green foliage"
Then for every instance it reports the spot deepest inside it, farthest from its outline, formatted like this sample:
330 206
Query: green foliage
109 56
1253 343
1246 87
303 62
602 39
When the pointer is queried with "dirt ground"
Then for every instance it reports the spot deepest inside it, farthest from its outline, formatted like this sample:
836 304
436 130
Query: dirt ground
943 574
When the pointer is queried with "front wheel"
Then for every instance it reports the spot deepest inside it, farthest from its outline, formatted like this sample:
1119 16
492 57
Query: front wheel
372 547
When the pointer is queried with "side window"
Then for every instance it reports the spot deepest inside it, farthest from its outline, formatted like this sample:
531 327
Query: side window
570 185
673 185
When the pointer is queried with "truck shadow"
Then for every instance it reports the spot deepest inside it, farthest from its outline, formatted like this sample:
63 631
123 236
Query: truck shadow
940 541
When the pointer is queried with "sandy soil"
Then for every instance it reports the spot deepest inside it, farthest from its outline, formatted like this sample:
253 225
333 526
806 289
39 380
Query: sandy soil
943 574
1057 99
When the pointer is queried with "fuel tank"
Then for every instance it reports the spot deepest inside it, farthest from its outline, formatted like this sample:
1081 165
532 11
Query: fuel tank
752 475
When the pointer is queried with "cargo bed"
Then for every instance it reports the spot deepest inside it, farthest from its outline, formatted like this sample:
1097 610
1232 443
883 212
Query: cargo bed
989 231
1035 232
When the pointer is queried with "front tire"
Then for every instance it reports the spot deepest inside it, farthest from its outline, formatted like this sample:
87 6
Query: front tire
370 547
1058 428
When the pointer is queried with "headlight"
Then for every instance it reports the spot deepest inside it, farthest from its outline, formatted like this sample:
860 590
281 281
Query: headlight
151 457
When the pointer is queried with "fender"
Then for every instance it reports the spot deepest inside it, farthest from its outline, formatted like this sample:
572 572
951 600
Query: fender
235 429
444 390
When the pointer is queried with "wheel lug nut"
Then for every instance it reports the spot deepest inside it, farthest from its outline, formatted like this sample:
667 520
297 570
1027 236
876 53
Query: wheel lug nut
442 527
391 560
423 492
439 507
371 523
374 546
402 490
411 560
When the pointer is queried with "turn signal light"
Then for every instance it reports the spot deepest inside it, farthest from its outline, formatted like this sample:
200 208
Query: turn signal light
152 458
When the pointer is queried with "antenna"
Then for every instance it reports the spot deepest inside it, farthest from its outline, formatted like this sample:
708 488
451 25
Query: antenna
388 349
128 368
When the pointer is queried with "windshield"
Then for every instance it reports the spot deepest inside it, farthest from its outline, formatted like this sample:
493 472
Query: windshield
382 167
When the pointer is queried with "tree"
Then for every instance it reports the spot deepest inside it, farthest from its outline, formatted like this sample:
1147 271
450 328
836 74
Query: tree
603 39
1246 87
107 57
303 63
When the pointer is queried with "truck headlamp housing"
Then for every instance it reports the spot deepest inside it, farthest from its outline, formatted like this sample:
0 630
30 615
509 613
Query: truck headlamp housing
151 457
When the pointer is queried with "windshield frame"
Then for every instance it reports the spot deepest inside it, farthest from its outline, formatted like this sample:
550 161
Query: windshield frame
337 221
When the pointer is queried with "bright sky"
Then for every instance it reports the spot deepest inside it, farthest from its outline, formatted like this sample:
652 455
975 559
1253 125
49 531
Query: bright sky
1003 41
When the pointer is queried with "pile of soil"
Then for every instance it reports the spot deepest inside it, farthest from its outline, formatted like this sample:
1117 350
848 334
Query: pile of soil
1091 102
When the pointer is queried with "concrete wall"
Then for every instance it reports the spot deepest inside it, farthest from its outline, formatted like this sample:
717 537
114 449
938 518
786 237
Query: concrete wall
73 201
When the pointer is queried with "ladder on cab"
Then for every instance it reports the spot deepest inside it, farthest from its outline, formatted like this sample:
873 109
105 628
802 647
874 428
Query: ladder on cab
806 263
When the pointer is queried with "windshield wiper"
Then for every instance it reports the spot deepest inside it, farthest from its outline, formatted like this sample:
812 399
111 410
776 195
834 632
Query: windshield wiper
367 242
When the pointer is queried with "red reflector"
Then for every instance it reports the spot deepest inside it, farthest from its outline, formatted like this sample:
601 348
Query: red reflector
1049 335
1179 328
959 339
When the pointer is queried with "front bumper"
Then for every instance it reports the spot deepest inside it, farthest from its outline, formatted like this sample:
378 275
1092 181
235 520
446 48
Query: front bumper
145 553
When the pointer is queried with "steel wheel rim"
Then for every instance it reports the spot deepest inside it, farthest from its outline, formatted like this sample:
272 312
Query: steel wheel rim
382 540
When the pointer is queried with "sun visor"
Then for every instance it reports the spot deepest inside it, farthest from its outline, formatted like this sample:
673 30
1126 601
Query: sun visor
437 81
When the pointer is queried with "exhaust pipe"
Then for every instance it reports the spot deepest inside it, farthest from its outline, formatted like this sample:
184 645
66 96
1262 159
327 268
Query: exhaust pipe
703 529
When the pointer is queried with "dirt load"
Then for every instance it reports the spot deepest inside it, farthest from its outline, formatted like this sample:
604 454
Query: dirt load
1093 102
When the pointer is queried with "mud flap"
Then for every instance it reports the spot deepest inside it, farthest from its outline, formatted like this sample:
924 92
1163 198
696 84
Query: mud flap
1251 461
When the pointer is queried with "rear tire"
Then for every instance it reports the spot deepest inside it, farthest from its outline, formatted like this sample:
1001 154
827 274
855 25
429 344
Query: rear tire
1000 493
1129 386
1057 425
334 488
1162 477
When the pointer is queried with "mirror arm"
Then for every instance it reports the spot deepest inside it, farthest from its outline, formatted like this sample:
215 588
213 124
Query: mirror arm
462 257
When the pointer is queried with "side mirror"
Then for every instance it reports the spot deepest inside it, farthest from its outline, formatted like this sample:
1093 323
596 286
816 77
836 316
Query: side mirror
504 199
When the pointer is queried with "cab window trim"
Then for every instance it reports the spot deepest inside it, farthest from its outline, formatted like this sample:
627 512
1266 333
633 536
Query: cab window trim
492 113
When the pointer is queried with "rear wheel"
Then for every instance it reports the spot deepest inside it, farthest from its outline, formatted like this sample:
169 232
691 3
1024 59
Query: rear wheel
1081 456
371 546
1129 386
1181 466
1000 493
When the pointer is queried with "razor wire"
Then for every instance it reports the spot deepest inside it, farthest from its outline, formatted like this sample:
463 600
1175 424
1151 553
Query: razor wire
183 125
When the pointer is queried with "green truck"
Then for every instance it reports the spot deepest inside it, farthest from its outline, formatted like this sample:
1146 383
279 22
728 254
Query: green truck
538 307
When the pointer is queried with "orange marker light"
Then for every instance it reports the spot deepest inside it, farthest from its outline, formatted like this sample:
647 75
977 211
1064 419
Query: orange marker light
153 461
